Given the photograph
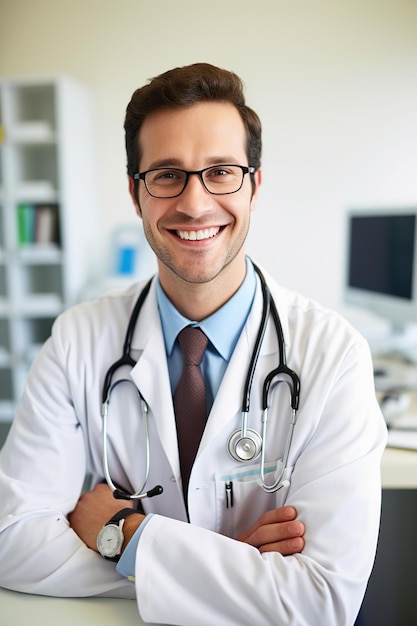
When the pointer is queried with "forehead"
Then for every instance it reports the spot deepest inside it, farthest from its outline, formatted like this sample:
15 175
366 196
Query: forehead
199 132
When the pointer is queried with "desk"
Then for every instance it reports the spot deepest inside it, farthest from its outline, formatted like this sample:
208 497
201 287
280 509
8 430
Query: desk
399 466
399 469
21 609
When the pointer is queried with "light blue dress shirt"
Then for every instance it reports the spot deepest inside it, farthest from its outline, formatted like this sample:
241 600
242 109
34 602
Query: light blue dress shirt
223 330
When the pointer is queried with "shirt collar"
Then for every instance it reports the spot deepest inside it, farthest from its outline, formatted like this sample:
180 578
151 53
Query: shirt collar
217 327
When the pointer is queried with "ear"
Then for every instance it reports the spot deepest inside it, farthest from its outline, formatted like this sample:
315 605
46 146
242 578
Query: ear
135 198
258 181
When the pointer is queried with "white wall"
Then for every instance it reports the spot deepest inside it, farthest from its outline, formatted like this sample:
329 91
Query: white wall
334 81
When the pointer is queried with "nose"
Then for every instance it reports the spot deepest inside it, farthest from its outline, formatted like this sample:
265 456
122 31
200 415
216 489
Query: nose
195 197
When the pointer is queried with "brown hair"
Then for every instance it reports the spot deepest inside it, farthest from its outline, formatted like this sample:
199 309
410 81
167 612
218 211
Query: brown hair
183 86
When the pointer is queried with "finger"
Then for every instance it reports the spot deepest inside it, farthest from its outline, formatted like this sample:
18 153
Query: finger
286 548
274 533
274 516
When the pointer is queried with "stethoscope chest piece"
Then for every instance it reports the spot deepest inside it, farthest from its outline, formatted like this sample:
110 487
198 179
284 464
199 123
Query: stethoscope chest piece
245 448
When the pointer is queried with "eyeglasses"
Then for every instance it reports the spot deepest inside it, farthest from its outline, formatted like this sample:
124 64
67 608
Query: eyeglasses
169 182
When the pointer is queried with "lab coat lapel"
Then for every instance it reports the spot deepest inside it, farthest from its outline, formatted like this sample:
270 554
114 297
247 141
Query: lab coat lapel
150 374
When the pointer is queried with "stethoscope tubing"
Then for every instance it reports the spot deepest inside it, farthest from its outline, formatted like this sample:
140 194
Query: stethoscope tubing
118 493
245 444
125 359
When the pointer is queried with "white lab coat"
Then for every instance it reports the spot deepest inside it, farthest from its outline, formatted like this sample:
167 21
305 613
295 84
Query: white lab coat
197 574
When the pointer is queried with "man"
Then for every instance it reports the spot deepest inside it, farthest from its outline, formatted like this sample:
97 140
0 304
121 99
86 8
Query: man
214 547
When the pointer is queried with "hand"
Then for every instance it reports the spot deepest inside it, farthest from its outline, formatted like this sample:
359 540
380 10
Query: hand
276 531
94 509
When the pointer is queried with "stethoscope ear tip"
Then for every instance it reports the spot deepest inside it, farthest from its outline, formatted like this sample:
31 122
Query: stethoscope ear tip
120 495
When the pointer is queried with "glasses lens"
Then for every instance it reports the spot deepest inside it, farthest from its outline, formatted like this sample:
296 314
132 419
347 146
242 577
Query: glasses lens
165 183
223 179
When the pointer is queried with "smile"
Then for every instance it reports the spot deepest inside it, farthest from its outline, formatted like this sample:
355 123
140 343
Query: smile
198 235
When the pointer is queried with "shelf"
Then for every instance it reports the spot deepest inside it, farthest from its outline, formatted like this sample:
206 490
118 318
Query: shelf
6 393
36 191
33 254
32 132
48 216
35 170
7 410
33 104
41 305
4 357
4 306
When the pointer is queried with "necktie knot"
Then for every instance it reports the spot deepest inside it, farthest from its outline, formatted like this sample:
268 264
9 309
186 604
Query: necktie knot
193 343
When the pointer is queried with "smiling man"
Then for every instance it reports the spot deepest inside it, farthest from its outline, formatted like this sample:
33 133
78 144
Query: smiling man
198 234
225 521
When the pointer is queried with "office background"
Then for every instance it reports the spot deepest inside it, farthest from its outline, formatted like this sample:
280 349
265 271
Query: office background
333 81
335 84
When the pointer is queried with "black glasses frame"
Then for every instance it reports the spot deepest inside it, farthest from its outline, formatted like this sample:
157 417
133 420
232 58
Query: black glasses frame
245 170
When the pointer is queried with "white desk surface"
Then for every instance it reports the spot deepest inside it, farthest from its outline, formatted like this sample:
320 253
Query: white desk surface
399 469
399 465
21 609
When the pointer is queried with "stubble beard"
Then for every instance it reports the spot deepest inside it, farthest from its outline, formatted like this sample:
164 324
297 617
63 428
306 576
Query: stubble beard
192 273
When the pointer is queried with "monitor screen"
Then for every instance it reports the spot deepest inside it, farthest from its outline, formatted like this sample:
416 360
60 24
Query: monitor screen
381 263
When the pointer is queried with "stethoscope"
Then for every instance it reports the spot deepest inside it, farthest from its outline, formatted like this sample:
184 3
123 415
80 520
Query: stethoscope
245 444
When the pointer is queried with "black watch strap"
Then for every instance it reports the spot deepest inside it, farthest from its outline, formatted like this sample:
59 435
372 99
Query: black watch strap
120 515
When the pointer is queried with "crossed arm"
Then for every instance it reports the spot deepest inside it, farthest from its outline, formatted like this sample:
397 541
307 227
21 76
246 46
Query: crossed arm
277 530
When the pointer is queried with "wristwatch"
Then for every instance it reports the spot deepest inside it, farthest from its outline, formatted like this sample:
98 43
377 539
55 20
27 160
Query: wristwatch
110 538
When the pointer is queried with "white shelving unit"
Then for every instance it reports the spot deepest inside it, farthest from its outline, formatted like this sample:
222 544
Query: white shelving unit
48 216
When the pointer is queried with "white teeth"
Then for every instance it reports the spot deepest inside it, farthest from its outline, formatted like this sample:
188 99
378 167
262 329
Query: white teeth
193 235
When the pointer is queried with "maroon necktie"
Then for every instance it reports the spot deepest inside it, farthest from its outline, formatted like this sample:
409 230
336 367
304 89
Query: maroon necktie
190 400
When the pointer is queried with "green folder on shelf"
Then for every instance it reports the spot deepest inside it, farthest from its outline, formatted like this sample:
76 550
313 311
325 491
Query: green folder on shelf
25 224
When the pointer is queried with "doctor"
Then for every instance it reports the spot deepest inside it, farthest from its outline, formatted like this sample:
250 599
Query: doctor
222 550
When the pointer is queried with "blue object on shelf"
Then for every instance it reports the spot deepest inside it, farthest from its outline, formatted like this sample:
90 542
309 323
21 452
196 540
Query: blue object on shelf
126 261
131 257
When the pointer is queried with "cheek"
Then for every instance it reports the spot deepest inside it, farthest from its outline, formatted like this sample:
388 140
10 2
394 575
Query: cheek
147 209
241 210
151 215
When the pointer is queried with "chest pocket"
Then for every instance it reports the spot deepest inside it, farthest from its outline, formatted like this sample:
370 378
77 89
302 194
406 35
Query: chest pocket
240 499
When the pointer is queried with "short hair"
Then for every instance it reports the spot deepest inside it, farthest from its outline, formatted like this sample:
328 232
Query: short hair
183 86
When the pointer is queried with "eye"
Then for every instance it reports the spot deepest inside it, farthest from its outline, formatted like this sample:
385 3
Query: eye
165 174
165 177
220 171
223 174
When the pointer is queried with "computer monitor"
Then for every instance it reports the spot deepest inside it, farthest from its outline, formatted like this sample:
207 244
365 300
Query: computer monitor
381 263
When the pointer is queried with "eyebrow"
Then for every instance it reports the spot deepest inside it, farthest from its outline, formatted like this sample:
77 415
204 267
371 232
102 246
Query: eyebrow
221 160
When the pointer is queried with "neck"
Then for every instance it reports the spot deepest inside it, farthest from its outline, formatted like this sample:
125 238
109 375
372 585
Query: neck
196 301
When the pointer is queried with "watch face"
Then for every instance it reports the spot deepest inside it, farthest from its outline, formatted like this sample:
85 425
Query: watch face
110 540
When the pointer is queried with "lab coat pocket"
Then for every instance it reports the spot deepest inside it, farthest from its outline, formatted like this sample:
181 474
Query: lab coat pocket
241 500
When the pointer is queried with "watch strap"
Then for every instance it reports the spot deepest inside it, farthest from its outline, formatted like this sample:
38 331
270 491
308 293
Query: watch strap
122 514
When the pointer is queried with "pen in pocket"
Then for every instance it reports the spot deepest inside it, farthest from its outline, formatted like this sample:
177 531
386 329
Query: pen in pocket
229 494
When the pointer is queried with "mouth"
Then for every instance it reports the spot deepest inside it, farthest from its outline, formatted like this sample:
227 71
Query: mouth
198 235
